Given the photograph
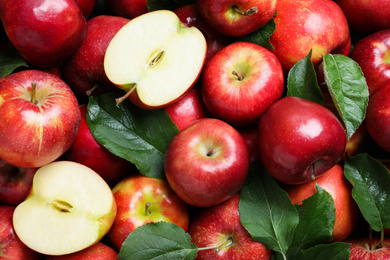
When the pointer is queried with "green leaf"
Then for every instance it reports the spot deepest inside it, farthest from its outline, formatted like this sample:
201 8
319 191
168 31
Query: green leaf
137 135
261 36
266 211
348 89
317 215
333 251
10 59
154 5
302 81
371 189
161 240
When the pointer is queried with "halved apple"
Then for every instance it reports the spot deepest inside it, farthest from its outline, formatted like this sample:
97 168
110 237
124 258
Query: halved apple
70 208
155 59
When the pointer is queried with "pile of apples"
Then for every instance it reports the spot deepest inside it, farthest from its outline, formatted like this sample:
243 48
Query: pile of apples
115 114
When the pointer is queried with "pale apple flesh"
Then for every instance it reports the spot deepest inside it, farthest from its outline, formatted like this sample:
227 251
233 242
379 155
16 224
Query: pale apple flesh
70 208
156 57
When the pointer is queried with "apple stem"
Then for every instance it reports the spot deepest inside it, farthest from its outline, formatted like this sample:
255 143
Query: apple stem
239 77
227 243
382 238
147 211
121 99
313 176
89 92
248 12
34 93
211 152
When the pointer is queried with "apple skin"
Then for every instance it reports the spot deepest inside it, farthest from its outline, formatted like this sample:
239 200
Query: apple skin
214 226
128 8
250 136
89 152
227 16
132 196
324 29
378 117
15 183
334 182
189 15
98 251
10 245
299 140
207 162
32 135
86 6
360 248
372 53
241 99
366 17
44 32
188 109
84 70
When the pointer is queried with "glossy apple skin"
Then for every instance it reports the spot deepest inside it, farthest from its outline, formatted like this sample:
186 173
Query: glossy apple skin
98 251
366 17
250 136
241 100
89 152
84 70
86 6
10 245
360 251
378 116
32 135
323 28
44 32
207 162
189 15
372 53
188 109
299 140
214 226
132 195
226 20
15 183
334 182
128 8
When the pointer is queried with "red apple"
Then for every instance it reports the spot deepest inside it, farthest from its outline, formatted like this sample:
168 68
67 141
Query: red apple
141 200
207 162
219 226
11 247
250 136
84 71
86 6
304 25
128 8
299 140
98 251
15 183
190 16
40 118
372 53
366 16
240 82
378 116
187 109
237 17
334 182
44 32
89 152
364 249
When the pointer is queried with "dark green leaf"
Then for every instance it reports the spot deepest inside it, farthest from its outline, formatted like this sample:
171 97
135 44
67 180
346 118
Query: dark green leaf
10 59
137 135
161 240
261 36
317 215
154 5
333 251
266 211
302 81
371 189
348 89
